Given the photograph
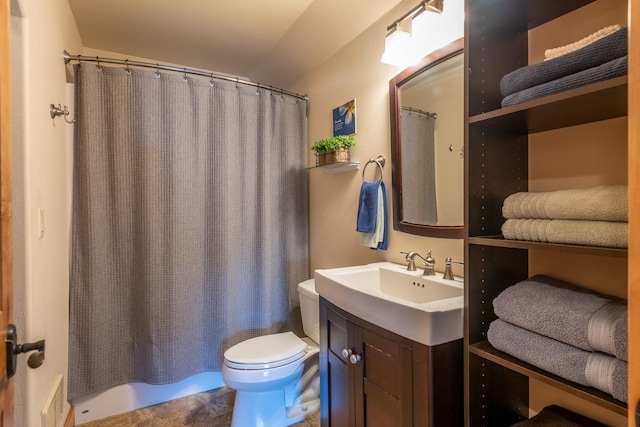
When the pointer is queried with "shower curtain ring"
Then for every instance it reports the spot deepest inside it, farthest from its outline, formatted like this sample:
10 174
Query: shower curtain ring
99 66
126 66
184 77
211 82
157 70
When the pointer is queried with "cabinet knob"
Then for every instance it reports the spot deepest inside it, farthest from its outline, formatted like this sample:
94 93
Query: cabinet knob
346 352
355 358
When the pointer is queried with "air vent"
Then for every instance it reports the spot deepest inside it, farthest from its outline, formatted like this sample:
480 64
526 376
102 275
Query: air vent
51 414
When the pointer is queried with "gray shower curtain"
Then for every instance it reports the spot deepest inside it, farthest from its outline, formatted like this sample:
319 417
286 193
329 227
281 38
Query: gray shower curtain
189 223
419 204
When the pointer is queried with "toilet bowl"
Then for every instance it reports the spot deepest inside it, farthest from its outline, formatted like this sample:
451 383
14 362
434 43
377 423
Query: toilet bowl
276 377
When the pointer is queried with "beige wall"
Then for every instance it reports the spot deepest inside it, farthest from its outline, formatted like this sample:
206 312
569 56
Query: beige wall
41 30
356 72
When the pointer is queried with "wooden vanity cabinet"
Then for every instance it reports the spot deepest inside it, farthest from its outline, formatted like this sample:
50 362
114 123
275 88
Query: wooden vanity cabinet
373 377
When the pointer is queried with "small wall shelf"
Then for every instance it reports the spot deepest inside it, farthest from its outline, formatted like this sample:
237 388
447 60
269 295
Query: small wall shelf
337 167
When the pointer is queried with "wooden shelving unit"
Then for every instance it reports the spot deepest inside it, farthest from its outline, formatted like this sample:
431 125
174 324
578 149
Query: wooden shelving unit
497 165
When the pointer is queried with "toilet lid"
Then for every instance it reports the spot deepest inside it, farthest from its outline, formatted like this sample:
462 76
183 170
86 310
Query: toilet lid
268 351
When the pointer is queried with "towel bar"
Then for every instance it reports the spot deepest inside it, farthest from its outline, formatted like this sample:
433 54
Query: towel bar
379 161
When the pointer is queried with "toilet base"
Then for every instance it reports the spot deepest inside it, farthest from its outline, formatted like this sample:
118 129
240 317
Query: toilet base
267 409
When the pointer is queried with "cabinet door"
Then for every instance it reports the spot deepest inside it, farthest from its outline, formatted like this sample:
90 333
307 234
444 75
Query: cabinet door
336 392
383 386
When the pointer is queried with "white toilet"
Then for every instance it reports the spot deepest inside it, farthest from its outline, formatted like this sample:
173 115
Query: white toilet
277 377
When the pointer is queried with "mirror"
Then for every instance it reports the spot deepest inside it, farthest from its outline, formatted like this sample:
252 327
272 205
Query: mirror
427 145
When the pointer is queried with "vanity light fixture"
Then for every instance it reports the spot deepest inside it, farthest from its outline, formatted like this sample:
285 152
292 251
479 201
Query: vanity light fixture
430 31
401 48
398 48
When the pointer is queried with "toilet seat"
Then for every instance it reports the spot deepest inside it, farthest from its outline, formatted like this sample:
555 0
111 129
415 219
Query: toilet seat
265 352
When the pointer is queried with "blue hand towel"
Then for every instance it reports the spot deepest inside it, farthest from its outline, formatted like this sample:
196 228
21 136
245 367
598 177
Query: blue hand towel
368 207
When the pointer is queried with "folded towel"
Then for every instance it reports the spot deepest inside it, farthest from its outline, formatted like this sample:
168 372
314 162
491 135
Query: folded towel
603 203
605 373
606 71
368 207
373 239
572 47
558 416
384 243
604 50
609 70
378 239
567 313
567 231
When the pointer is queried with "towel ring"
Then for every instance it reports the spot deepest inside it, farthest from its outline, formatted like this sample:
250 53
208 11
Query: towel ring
379 161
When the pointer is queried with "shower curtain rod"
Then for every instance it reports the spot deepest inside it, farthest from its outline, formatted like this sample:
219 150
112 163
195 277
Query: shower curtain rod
419 111
100 60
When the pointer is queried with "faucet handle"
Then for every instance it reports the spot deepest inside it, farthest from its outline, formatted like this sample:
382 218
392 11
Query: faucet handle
448 273
411 264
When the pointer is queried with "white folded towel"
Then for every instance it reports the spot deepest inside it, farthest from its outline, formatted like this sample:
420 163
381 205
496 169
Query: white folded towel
566 231
572 47
602 203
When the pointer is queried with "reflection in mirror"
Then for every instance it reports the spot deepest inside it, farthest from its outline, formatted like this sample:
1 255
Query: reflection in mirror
427 145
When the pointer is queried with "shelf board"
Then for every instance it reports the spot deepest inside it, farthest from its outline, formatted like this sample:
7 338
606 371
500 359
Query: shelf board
501 242
537 12
599 101
485 350
337 167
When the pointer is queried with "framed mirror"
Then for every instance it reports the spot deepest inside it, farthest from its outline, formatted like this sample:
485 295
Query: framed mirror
427 145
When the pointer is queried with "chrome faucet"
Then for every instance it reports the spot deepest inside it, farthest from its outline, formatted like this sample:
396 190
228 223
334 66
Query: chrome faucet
429 262
448 274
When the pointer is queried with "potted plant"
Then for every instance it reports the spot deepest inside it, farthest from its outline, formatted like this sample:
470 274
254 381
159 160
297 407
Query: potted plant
321 151
333 150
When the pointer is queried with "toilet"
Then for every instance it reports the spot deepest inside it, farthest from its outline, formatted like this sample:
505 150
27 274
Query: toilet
277 376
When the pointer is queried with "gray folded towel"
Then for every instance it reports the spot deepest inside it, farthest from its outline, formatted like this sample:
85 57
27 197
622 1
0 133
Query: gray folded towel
573 232
603 203
567 313
604 50
605 373
609 70
558 416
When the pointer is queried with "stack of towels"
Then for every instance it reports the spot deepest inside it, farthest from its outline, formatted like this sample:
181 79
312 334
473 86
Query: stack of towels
592 216
569 331
600 56
558 416
371 224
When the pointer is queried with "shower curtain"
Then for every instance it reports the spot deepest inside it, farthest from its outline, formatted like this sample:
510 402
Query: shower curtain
189 223
419 204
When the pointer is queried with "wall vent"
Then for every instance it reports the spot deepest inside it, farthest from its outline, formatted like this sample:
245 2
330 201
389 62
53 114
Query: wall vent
53 407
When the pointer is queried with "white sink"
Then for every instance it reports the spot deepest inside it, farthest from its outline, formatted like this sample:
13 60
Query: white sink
426 309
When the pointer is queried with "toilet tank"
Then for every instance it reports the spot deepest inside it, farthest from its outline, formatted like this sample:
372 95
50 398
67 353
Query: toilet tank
309 309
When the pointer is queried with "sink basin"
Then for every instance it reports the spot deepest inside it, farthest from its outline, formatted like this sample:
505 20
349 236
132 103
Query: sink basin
426 309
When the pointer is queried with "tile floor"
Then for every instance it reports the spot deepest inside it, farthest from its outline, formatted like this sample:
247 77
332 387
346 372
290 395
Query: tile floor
209 409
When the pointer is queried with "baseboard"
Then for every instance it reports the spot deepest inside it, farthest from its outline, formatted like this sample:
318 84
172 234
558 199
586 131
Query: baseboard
70 421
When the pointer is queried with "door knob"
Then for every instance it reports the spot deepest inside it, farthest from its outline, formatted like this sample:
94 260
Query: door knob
355 358
346 352
13 349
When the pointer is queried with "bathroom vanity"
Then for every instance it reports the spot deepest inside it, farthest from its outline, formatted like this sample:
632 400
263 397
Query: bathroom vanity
371 376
